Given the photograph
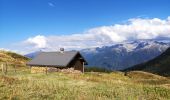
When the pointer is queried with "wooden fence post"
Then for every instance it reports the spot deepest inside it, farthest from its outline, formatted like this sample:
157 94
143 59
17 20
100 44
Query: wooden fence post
2 67
30 68
46 69
6 68
15 68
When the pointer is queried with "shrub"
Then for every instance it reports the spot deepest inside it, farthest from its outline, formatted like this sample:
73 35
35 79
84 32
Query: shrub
96 69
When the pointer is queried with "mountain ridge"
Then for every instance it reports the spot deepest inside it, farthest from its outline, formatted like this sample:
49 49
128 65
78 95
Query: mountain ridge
124 55
12 58
159 65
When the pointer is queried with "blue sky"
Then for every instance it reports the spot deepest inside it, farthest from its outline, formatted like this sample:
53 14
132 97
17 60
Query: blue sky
21 20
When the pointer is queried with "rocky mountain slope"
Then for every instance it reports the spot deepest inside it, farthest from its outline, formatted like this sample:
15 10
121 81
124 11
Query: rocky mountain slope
124 55
159 65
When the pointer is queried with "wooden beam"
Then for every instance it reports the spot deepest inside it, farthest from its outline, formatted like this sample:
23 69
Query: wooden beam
83 67
15 68
6 68
46 69
2 67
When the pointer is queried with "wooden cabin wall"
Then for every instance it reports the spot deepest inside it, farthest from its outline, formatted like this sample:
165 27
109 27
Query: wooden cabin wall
78 65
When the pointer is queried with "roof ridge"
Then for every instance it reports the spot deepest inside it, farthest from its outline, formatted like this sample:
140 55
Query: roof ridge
53 58
57 51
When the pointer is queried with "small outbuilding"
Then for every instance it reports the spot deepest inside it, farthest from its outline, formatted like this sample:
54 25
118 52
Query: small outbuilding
59 60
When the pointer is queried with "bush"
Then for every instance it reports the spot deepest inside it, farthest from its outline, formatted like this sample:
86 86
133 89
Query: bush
96 69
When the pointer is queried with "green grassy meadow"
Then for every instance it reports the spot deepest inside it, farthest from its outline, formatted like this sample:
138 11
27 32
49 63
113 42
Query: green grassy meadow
23 85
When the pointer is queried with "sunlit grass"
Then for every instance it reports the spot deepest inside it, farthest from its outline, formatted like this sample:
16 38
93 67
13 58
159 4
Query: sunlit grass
88 86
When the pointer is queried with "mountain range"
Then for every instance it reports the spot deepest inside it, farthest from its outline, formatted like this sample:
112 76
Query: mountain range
122 55
33 54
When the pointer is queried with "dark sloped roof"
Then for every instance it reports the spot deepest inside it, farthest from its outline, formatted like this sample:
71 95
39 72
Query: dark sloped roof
54 59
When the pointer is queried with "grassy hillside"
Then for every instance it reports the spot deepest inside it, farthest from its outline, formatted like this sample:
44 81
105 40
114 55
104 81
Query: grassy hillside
12 58
159 65
89 86
22 85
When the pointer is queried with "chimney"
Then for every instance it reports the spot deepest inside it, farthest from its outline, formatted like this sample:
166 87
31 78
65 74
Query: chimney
61 50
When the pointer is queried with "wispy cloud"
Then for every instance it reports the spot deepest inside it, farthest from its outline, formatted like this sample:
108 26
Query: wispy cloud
51 4
135 28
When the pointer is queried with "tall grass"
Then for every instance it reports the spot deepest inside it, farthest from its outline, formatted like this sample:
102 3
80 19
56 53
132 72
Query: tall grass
89 86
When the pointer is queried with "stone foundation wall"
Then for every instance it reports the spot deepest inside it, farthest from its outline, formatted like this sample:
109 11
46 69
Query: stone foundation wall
36 69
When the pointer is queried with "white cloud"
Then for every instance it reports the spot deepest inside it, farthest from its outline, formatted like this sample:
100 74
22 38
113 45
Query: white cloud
51 4
136 28
37 41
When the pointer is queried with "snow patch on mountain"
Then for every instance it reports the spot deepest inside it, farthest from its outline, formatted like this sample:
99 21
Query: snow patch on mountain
124 55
